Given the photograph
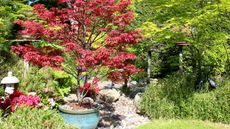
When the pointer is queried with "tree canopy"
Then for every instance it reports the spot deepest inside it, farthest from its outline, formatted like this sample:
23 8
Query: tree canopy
203 24
82 37
10 10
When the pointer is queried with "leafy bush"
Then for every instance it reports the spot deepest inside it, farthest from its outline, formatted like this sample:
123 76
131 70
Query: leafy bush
27 118
176 97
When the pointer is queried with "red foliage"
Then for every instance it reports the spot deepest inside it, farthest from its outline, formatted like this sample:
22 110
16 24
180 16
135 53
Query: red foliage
91 87
31 54
4 104
18 99
94 30
23 100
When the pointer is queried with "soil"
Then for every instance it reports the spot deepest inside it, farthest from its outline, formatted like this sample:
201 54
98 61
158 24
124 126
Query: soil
78 106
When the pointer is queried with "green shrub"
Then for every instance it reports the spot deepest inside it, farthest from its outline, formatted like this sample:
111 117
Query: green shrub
46 82
176 97
213 105
27 118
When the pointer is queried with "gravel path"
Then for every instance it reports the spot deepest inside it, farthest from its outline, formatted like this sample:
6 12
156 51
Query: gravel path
120 115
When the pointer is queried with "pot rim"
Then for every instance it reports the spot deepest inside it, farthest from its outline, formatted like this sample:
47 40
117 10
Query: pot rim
78 112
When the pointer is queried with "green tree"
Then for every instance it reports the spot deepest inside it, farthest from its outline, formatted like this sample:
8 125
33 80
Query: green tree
205 24
10 10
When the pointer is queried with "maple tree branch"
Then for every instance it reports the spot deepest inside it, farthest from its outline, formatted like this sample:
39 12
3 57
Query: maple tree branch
91 34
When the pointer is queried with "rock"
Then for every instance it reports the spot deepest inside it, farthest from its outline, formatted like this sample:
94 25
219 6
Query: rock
118 85
153 80
132 83
136 90
142 81
88 100
121 115
109 95
137 100
70 98
104 84
67 107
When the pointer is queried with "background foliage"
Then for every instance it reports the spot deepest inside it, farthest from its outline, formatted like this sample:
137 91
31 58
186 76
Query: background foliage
10 10
203 24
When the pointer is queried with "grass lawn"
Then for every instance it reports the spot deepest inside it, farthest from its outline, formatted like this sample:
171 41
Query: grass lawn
183 124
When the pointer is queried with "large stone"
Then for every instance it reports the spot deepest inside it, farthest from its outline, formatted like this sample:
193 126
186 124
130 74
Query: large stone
136 90
118 85
109 95
137 100
88 100
71 98
132 83
104 84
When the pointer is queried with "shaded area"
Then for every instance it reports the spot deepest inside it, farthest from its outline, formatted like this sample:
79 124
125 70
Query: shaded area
107 117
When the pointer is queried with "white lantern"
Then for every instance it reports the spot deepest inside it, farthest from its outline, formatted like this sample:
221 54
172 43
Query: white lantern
9 82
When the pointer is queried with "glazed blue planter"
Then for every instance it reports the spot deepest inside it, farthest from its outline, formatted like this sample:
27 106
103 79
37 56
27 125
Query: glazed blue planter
85 119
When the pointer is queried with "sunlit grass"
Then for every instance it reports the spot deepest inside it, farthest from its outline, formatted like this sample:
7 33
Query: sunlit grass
183 124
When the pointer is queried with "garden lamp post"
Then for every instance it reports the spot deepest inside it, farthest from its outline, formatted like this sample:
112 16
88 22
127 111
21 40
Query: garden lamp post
181 45
9 83
155 48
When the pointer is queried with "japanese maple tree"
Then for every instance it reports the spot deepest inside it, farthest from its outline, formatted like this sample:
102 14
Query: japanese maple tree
83 37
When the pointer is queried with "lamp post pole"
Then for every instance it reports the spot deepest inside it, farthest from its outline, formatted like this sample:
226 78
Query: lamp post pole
155 48
149 65
26 68
181 59
181 45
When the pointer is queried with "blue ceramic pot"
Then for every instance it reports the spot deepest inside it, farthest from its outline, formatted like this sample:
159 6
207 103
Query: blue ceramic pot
85 119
